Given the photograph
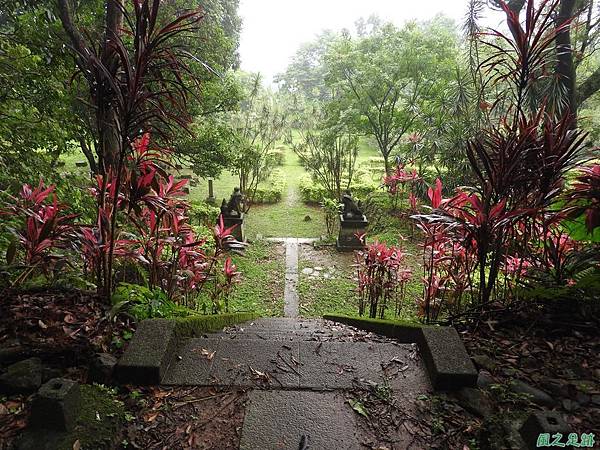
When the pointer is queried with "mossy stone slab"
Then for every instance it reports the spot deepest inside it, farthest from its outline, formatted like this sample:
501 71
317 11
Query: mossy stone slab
403 332
99 421
149 353
446 358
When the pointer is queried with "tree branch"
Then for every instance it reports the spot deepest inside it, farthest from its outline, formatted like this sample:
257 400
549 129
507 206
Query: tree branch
73 33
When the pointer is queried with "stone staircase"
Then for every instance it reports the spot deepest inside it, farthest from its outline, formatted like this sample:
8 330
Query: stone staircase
300 374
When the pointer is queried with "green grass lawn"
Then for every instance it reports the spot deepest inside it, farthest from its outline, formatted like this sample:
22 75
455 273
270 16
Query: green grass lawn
262 281
283 219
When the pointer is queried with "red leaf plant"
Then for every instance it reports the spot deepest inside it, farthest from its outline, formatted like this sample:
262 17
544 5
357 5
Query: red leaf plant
584 196
382 278
519 165
395 183
44 231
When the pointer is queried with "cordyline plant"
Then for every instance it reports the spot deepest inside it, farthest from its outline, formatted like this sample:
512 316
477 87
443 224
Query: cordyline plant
395 184
382 278
519 166
136 84
584 196
164 243
45 229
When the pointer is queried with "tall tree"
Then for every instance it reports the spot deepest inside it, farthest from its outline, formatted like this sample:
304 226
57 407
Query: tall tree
258 125
389 75
305 75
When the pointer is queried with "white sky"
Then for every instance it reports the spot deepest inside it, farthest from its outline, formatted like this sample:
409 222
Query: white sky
272 30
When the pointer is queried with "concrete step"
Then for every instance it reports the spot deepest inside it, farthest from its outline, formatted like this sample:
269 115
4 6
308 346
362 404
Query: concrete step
279 420
295 365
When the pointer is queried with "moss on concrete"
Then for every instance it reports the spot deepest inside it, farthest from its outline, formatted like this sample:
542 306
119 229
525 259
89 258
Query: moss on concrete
154 345
195 326
149 353
100 419
405 332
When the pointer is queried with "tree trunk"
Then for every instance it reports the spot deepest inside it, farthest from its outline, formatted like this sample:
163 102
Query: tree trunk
87 151
386 162
565 67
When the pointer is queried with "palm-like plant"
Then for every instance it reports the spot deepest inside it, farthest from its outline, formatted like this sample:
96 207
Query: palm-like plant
520 162
136 84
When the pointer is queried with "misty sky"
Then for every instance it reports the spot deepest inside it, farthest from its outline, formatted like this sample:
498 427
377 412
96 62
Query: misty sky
272 30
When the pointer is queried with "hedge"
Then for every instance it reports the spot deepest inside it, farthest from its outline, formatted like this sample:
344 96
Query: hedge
312 192
271 191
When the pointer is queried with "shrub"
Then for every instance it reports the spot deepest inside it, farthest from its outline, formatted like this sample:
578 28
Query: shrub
144 303
332 210
271 190
313 193
278 156
204 213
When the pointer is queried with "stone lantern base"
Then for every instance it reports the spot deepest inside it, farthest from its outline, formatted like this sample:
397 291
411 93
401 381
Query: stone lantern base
349 228
238 231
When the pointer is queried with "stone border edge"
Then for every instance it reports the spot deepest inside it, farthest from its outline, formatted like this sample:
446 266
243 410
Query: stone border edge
447 370
154 344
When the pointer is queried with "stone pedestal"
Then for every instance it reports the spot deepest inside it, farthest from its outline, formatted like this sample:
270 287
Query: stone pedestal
211 193
347 240
56 406
238 231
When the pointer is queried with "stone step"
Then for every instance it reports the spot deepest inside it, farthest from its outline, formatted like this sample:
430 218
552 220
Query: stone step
279 420
295 365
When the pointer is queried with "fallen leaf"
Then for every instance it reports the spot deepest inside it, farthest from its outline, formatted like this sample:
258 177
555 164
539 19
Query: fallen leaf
76 445
42 324
150 417
207 354
69 319
358 407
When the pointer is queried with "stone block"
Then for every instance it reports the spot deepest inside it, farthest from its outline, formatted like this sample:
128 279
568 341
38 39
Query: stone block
405 333
149 353
238 222
446 359
23 377
347 240
283 419
542 422
56 405
102 367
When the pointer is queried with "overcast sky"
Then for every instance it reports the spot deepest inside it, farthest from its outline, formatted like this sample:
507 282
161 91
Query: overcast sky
272 30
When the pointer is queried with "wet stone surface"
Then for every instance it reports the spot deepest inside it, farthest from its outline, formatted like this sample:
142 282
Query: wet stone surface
302 376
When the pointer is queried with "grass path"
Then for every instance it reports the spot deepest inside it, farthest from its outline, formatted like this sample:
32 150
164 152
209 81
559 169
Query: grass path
290 216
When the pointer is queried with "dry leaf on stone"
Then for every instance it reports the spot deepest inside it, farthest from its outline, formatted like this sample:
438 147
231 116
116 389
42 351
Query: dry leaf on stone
206 353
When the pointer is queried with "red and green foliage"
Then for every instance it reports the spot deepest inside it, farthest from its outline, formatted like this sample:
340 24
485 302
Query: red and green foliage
44 230
584 196
135 77
153 231
382 279
396 183
485 237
